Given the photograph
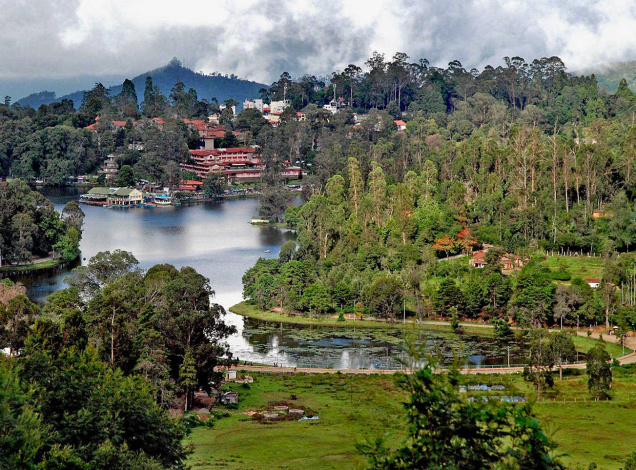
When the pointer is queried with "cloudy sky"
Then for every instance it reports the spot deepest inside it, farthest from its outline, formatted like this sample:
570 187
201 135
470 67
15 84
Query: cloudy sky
258 39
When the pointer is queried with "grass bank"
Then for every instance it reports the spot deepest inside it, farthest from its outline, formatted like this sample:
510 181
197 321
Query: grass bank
355 408
44 265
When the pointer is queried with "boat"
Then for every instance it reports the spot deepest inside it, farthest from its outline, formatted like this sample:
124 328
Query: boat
266 251
163 200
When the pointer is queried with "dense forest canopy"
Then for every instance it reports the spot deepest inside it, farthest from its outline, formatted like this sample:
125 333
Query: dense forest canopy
91 373
31 227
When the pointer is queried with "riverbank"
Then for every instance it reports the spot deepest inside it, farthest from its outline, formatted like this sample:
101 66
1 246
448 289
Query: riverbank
43 265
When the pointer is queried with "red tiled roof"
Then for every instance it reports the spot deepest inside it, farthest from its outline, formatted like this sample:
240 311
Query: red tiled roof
592 279
399 123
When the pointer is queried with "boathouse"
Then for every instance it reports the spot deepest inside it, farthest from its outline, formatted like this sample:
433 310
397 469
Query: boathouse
125 197
97 196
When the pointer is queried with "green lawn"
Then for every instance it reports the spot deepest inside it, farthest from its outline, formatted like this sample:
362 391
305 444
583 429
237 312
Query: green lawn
51 263
578 266
352 409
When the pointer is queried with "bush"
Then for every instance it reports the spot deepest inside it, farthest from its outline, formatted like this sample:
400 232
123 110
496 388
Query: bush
560 276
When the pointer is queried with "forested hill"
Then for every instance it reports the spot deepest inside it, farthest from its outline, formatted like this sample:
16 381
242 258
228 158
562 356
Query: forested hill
207 86
610 75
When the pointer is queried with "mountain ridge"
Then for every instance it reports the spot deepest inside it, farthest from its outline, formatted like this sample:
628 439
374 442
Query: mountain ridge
207 86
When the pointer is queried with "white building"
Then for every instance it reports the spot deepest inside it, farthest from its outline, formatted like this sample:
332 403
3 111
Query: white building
277 107
222 107
332 107
254 104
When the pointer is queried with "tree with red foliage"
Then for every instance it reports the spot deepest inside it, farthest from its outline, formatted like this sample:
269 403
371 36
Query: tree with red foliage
445 244
466 240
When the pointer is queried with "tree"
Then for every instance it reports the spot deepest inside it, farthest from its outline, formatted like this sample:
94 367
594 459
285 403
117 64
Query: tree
563 349
630 463
89 406
448 296
540 360
126 176
447 431
386 294
214 185
21 430
16 320
101 269
73 215
599 371
445 244
188 379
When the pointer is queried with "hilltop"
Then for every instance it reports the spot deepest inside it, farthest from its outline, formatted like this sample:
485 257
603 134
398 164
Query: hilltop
609 75
207 86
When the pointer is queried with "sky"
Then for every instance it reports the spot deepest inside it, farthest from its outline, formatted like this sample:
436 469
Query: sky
259 39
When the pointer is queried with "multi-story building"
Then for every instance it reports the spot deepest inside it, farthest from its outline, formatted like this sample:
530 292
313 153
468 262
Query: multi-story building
254 104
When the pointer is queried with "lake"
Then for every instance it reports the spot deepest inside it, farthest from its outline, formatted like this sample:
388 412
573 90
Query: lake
218 241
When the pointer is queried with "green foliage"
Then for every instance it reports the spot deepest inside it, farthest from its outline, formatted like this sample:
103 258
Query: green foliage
599 372
446 430
20 425
30 226
126 176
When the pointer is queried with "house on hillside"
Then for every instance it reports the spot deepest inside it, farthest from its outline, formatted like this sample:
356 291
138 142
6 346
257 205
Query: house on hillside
478 260
508 261
109 168
401 125
593 282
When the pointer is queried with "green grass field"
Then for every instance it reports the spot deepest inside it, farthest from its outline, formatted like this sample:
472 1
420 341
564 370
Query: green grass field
350 409
578 266
354 408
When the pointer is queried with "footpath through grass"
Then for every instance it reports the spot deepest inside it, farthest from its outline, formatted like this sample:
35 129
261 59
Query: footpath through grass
354 408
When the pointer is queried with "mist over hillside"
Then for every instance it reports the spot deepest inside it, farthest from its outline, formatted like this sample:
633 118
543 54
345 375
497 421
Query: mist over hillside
207 86
610 75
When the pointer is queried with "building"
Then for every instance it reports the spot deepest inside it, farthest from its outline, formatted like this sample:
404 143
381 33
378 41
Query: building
254 104
478 260
277 107
593 282
223 106
508 261
125 197
332 107
109 168
97 196
401 125
190 185
229 398
293 172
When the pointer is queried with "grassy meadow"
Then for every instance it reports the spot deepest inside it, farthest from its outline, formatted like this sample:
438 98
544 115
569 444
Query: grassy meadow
354 408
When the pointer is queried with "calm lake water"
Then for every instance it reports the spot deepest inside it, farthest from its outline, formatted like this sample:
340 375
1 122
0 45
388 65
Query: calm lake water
220 243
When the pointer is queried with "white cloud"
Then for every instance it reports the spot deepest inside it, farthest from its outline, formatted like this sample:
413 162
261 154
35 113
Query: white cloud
258 39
